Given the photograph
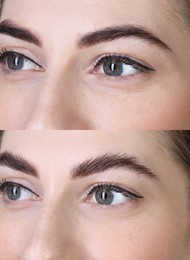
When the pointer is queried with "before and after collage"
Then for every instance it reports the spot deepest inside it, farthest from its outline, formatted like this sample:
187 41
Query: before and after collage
95 130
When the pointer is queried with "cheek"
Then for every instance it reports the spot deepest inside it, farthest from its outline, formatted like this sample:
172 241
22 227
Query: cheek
16 230
162 108
16 104
145 240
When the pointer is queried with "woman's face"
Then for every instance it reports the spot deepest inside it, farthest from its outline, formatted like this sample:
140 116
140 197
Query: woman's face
91 195
59 61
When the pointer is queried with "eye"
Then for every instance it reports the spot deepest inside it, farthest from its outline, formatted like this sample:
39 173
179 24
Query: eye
14 61
109 195
117 66
16 192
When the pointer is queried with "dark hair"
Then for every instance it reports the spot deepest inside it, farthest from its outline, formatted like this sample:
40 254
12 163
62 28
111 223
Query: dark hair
177 142
179 146
1 5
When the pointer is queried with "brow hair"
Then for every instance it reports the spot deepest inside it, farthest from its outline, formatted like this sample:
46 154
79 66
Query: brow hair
18 163
9 28
177 143
108 161
117 32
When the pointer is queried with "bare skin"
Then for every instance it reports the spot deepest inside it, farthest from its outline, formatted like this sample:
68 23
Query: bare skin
61 88
58 217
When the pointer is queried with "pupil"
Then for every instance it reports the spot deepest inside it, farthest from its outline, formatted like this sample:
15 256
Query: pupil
13 192
113 68
15 62
104 197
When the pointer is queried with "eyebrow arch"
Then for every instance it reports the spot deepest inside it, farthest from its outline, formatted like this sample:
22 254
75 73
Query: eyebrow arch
89 167
111 161
9 28
18 163
116 32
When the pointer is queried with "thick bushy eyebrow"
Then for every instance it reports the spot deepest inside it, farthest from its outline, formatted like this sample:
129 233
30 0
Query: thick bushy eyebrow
107 34
111 161
9 28
18 163
89 167
117 32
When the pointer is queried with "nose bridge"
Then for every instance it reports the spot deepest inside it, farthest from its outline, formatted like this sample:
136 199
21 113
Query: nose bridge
57 107
49 109
51 237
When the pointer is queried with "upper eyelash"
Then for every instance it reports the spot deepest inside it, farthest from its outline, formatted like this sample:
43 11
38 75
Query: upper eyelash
4 53
121 58
113 187
4 183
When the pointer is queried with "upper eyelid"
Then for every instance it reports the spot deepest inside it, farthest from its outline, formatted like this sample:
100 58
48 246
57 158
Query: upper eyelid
6 183
24 184
28 54
113 187
7 52
98 62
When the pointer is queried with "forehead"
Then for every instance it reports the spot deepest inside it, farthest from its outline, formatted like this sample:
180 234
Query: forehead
59 151
76 146
101 12
61 24
110 140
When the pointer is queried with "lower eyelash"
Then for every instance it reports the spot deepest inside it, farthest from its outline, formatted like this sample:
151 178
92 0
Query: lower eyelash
4 184
5 52
123 59
113 187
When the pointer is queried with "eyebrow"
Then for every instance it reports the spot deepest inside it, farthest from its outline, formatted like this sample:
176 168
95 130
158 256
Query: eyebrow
116 32
106 162
89 167
18 163
9 28
107 34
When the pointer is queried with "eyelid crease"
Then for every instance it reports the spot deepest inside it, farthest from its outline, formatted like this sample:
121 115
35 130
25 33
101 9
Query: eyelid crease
113 187
4 53
121 58
4 183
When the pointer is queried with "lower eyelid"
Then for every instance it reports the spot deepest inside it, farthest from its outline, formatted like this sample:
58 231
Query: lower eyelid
23 53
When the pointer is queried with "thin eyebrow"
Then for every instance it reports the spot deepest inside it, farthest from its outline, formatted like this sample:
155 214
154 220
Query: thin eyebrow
111 161
9 28
18 163
116 32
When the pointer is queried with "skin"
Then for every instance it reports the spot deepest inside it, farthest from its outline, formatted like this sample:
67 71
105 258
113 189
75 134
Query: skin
61 224
68 95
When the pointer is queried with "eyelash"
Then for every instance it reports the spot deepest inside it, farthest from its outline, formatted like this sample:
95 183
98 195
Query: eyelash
123 59
4 54
5 184
131 195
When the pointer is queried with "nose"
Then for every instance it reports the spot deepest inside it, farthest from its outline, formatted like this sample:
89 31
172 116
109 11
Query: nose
54 109
51 239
